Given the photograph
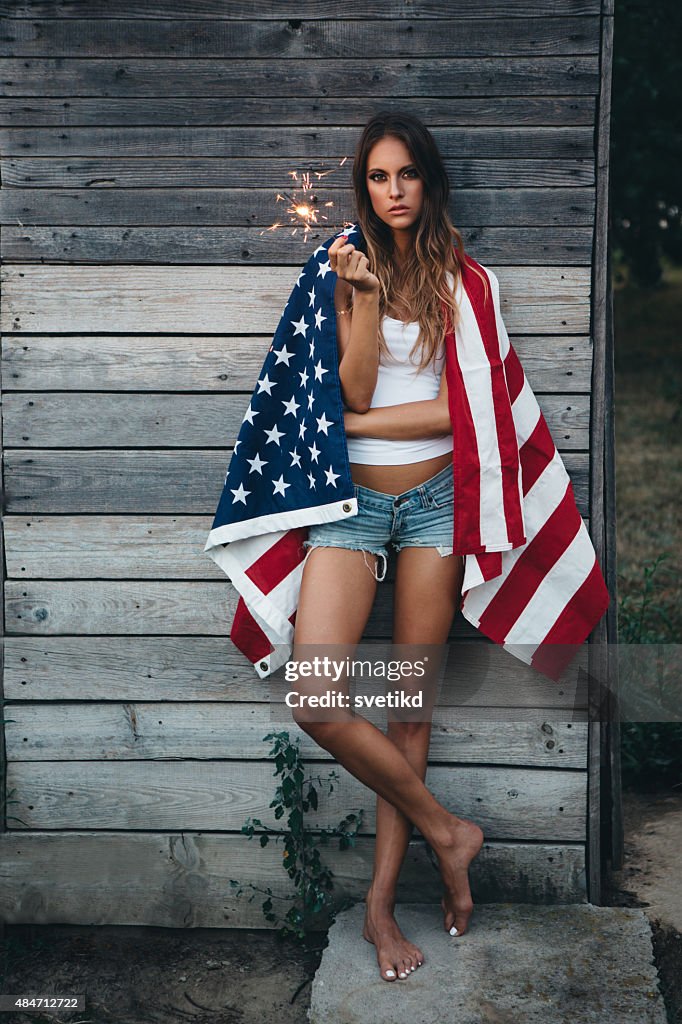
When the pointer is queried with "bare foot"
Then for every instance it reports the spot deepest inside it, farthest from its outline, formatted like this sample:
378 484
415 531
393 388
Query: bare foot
397 958
454 855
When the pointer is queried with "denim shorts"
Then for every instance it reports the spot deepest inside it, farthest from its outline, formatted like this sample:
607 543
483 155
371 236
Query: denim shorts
420 517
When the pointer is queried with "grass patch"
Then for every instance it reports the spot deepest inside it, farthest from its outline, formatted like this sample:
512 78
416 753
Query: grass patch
648 400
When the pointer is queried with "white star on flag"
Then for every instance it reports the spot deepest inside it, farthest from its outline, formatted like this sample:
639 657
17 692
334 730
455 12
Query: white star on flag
319 318
319 371
304 377
274 435
301 327
314 452
240 494
280 485
311 295
332 477
256 464
311 481
283 355
323 269
249 414
323 423
302 429
295 458
291 406
265 384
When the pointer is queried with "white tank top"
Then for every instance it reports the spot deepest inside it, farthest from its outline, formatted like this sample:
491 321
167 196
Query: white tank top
399 380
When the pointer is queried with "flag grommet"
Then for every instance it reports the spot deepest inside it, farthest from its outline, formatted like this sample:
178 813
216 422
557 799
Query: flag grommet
346 506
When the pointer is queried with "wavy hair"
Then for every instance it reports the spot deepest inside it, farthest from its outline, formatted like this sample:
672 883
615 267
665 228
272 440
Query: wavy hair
438 249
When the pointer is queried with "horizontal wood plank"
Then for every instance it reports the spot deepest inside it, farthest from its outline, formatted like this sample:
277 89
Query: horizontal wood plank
191 171
234 207
508 802
204 668
269 10
182 245
105 110
226 299
149 606
105 878
444 77
176 481
113 547
205 731
329 38
214 363
102 420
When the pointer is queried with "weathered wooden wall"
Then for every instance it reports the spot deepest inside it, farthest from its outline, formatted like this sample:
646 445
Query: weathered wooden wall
143 147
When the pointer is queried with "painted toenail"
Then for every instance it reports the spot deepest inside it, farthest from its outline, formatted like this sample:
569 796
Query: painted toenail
411 968
453 930
390 974
402 975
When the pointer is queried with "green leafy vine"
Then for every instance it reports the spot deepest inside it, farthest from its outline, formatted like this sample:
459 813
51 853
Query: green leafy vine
313 880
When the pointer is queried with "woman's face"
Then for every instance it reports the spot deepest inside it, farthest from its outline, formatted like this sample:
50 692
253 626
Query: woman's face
393 180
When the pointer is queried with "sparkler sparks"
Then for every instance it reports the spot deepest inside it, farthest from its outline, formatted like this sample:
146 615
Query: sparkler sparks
305 205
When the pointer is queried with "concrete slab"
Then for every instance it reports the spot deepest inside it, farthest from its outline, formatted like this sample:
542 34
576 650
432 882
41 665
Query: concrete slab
517 964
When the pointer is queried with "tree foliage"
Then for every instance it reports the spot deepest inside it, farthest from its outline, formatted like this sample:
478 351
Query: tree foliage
646 135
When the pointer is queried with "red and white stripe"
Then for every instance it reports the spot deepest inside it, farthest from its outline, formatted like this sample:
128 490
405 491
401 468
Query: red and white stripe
266 572
531 581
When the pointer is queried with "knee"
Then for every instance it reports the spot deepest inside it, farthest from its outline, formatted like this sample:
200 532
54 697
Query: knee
405 731
311 722
301 716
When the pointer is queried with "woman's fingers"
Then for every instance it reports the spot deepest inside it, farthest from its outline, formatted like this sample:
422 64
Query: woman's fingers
339 253
357 264
350 264
343 263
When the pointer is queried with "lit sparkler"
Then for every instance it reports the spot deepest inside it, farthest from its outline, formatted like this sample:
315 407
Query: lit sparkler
305 206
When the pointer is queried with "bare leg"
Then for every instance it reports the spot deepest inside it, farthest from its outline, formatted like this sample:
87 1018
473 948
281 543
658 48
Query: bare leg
420 573
338 615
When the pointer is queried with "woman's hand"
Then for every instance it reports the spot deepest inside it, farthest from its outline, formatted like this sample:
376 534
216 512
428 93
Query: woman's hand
352 265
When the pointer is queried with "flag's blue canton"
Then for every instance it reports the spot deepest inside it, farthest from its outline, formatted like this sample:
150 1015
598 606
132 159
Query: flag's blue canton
291 449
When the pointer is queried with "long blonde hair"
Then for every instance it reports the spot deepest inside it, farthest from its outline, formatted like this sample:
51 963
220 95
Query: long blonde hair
438 250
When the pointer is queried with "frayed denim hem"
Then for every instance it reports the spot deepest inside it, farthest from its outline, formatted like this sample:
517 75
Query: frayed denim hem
443 549
311 545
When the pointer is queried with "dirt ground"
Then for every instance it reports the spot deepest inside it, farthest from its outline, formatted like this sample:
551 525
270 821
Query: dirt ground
651 878
230 976
138 975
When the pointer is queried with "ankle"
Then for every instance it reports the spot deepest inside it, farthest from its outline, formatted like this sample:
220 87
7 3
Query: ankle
446 833
381 898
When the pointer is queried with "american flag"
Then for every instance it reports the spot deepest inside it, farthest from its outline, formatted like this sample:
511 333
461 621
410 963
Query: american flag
532 582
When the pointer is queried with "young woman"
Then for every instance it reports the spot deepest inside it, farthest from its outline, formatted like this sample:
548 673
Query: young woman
390 331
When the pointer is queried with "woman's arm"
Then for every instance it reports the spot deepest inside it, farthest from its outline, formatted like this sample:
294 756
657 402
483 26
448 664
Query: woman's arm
358 345
406 422
357 327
